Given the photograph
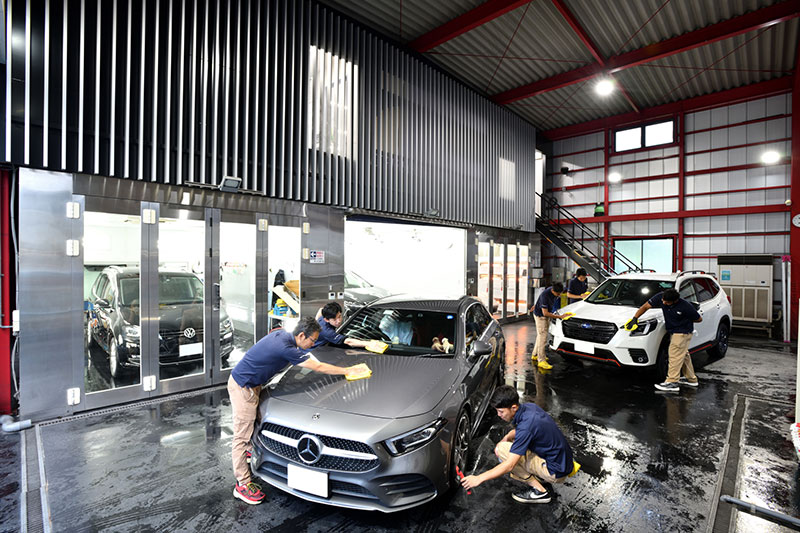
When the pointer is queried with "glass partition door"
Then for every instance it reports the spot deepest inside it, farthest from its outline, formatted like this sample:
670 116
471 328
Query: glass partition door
522 297
511 280
237 281
284 249
484 270
498 280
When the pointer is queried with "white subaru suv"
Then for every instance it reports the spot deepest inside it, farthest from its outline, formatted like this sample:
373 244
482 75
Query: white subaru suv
595 331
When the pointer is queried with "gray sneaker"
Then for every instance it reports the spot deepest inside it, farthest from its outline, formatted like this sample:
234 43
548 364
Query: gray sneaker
532 495
684 381
668 387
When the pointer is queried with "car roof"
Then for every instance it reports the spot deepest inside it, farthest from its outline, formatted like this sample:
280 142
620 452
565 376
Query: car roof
419 303
652 276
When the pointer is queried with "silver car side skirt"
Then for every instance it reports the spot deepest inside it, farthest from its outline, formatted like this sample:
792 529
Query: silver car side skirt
325 450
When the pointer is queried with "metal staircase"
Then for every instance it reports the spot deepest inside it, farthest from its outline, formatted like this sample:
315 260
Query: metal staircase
571 236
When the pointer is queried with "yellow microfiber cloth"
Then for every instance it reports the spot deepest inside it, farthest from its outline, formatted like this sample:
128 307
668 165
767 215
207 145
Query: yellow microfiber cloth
630 325
376 346
567 316
360 371
575 467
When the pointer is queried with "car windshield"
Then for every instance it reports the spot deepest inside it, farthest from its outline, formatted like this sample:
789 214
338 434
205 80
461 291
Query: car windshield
628 292
172 289
354 281
408 332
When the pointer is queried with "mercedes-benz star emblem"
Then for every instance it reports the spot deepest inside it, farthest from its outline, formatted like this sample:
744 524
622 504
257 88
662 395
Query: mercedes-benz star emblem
315 416
189 333
309 448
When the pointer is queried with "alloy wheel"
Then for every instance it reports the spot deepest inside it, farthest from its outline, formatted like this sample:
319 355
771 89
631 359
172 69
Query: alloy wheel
461 443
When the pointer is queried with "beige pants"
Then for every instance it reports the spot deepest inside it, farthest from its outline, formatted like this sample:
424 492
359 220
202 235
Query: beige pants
542 326
527 466
679 359
244 406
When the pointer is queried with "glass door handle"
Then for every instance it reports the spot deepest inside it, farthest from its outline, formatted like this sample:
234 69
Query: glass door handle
216 297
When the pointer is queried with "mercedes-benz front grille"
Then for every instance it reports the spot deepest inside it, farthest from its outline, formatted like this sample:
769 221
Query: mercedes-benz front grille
337 454
588 330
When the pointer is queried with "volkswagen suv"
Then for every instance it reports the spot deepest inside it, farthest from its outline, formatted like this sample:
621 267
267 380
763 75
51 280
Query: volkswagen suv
113 319
595 331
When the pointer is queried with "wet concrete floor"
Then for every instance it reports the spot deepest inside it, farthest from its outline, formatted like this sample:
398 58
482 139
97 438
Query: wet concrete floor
651 461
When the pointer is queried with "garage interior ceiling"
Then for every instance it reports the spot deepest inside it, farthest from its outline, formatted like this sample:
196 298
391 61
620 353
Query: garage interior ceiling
542 58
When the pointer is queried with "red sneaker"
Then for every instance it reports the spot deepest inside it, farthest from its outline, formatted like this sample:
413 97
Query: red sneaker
250 493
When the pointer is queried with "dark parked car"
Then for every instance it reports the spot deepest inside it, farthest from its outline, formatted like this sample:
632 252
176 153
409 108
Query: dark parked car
392 441
113 321
358 292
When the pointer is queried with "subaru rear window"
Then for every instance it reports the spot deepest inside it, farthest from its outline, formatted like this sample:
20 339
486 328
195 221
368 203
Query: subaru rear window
628 292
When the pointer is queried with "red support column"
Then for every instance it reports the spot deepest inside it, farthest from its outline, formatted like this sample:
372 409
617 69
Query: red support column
794 234
681 186
606 225
5 305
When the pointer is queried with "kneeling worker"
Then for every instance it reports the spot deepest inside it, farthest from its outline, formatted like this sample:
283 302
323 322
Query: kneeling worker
535 451
329 319
266 358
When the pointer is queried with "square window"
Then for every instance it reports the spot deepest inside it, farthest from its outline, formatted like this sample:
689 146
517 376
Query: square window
630 139
661 133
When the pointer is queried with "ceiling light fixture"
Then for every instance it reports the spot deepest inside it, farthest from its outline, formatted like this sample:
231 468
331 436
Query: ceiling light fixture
770 157
614 177
604 87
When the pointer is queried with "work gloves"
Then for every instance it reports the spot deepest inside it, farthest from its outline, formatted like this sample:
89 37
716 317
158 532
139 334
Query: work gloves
631 324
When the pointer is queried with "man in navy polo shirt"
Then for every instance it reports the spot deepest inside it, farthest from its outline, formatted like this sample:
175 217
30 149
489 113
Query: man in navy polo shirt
679 318
266 358
535 451
577 286
329 319
545 308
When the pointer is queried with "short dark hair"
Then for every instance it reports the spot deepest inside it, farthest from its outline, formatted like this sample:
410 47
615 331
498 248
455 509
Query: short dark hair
504 397
670 295
330 310
307 326
581 272
558 287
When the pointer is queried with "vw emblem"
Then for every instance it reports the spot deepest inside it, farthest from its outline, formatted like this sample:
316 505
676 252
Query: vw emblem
309 448
586 326
315 416
189 333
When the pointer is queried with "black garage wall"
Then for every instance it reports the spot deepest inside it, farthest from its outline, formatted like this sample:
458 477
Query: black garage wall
300 102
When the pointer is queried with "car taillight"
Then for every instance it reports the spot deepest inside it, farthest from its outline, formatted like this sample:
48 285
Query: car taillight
729 298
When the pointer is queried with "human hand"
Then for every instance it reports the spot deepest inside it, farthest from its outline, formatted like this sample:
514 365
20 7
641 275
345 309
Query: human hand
631 324
470 482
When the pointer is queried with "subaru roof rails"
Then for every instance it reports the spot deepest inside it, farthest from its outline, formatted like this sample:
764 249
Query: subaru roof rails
690 272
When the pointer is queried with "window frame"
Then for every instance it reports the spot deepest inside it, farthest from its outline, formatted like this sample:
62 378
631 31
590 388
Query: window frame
642 127
650 238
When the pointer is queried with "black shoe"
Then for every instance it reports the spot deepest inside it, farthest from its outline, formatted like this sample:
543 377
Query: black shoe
532 495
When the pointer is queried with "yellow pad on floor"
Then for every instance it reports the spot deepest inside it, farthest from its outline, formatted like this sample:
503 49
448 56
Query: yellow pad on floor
376 346
575 467
360 371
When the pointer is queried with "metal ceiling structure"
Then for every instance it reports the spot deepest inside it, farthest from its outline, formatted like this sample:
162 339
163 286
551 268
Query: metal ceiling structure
542 58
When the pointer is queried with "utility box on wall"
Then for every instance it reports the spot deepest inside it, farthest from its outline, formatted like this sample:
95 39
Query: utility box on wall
747 280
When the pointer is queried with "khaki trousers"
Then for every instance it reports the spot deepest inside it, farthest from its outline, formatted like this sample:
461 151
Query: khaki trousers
527 466
542 326
244 407
679 359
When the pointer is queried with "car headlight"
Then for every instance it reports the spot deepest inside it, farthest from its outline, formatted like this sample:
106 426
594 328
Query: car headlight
415 438
645 328
226 326
132 332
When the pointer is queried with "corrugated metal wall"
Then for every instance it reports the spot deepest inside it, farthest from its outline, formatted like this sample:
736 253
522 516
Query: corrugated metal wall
722 170
295 99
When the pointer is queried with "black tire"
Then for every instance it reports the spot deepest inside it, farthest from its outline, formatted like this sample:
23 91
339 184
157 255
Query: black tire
660 369
720 347
114 366
90 342
459 451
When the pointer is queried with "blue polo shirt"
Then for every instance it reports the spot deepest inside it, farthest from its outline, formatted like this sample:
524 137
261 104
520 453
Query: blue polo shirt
577 286
328 334
538 432
267 357
678 317
547 300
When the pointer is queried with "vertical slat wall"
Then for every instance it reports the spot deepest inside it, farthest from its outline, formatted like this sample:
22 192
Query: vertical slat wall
172 91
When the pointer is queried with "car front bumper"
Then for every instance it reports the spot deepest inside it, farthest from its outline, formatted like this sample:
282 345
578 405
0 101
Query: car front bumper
622 350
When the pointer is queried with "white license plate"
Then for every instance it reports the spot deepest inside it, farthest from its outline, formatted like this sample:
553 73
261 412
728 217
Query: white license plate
190 349
306 480
584 347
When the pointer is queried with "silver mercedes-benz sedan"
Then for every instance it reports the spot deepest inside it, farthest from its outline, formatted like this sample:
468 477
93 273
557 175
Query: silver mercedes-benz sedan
391 441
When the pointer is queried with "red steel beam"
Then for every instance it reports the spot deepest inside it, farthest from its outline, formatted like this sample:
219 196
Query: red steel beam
794 196
723 211
730 96
462 24
754 20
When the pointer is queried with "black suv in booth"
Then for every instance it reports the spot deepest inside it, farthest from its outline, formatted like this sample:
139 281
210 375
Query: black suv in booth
113 319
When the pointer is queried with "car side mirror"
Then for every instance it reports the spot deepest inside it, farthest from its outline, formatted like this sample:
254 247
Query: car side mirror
481 348
102 303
